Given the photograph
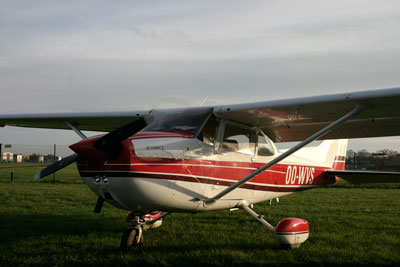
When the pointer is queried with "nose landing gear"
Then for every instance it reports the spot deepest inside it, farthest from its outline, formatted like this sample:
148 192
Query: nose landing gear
132 238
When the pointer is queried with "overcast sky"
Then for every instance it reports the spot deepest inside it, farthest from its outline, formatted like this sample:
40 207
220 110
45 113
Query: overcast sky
63 56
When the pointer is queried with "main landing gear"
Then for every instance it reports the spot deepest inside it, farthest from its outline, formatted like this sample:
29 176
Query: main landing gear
132 238
290 232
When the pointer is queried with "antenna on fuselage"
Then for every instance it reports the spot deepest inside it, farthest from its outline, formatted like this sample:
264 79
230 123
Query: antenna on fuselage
203 101
258 96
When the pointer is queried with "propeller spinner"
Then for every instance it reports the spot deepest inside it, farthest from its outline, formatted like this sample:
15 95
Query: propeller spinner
95 147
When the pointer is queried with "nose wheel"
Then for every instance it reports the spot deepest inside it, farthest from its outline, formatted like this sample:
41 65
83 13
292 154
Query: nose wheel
132 239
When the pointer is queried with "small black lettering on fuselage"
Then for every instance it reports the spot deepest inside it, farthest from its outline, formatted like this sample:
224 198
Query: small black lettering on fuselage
154 147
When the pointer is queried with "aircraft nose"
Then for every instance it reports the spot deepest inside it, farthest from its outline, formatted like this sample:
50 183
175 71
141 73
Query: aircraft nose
86 149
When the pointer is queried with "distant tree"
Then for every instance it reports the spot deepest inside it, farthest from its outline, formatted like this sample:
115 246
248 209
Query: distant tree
350 163
49 158
364 160
34 157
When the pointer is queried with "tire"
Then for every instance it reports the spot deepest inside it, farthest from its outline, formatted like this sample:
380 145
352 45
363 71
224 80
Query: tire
131 241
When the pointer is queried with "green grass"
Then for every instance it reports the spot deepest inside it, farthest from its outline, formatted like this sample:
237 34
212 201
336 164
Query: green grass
48 224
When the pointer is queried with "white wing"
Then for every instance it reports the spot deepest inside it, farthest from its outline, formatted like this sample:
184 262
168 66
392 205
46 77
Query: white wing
89 121
282 120
296 119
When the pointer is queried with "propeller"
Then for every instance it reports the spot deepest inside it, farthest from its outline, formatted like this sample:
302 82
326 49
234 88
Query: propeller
57 166
109 143
113 139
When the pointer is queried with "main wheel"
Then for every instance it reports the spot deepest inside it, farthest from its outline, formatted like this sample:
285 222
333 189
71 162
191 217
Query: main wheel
131 240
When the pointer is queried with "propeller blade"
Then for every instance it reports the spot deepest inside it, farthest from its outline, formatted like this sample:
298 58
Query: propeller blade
116 136
111 142
57 166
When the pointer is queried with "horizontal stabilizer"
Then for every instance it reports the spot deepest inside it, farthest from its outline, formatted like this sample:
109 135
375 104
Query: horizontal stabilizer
365 177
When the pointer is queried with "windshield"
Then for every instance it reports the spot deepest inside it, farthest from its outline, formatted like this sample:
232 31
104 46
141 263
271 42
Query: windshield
189 120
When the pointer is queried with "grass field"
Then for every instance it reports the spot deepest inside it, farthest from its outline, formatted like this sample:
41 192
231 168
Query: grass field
48 224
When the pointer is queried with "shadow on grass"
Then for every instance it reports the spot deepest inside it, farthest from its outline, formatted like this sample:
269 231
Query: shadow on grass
42 182
16 226
364 186
181 249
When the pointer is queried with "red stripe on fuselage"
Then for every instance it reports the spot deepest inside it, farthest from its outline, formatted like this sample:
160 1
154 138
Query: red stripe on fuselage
228 171
258 187
204 170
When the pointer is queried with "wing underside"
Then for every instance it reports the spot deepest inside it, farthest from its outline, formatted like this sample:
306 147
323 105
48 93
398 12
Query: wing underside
296 119
282 120
96 121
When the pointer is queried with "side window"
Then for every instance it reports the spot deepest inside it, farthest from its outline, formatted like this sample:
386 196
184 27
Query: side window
238 139
265 147
209 131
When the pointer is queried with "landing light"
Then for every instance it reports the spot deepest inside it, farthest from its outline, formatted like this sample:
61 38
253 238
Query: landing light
100 178
97 178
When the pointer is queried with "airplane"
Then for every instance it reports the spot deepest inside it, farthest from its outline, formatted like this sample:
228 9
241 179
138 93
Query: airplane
197 159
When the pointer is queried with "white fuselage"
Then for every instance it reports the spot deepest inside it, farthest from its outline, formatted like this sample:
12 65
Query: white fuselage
175 172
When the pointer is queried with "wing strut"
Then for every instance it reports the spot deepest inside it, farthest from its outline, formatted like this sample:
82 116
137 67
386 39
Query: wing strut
315 136
76 130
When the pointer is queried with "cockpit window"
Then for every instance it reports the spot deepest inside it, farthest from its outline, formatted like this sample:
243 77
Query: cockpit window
209 131
238 139
265 146
189 120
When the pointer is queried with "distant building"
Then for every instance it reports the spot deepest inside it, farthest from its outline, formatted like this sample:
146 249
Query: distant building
51 158
18 158
36 158
7 157
11 157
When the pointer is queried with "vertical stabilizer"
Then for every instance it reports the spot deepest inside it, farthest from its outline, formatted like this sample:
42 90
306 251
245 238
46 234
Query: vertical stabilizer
335 151
329 153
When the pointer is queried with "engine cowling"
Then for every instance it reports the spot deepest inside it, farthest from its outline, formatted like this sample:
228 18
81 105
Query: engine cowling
292 232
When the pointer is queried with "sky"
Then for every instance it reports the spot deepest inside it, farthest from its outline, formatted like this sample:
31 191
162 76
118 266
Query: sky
73 56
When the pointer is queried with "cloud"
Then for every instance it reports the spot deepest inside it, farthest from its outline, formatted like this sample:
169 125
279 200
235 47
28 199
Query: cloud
206 33
121 55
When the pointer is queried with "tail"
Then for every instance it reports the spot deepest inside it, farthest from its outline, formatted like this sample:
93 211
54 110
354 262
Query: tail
335 153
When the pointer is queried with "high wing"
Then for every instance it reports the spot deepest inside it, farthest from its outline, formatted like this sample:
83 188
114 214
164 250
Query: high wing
282 120
88 121
296 119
